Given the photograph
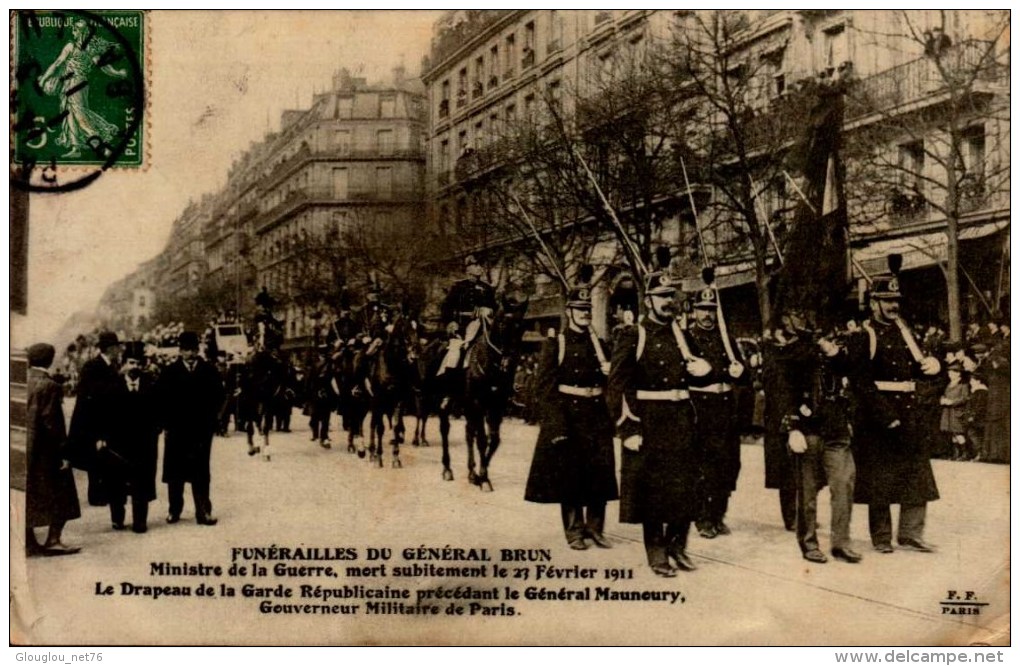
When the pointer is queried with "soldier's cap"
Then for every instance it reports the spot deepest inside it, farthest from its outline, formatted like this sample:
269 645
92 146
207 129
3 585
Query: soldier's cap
40 355
107 339
658 283
579 298
706 299
134 349
188 341
886 288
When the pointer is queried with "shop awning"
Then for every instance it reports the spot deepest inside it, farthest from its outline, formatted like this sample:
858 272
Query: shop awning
918 251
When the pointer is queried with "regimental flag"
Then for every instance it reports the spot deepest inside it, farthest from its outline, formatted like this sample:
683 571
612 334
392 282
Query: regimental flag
815 276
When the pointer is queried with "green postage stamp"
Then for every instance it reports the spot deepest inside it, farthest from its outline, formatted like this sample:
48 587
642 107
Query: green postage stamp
78 95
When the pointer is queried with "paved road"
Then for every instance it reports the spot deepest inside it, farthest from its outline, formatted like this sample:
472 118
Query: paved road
751 588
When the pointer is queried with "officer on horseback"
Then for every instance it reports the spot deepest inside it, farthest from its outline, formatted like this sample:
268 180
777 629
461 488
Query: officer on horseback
268 330
468 307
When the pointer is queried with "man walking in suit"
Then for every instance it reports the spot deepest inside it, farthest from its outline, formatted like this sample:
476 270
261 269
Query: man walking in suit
134 441
94 415
190 393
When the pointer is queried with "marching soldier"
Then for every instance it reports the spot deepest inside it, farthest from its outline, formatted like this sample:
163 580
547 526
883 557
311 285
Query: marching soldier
651 406
718 427
893 462
574 464
812 397
469 305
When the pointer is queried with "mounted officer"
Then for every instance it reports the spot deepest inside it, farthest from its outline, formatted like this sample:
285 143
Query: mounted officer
468 307
574 464
267 330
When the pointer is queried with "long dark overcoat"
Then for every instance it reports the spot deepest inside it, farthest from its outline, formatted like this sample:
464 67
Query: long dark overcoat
573 461
189 402
51 496
893 464
135 438
658 483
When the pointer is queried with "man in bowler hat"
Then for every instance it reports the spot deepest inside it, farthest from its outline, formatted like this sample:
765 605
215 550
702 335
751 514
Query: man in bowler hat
190 394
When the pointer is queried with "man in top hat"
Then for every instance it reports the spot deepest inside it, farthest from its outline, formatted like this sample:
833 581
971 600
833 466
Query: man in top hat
469 305
134 440
51 498
718 426
190 393
651 405
892 456
94 412
574 464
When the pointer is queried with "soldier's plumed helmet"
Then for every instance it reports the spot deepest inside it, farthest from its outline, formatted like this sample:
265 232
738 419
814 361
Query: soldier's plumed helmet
470 260
886 288
107 339
188 341
579 298
40 355
134 349
706 299
658 283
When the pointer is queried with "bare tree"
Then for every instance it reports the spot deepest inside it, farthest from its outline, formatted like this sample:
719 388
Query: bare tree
933 141
735 149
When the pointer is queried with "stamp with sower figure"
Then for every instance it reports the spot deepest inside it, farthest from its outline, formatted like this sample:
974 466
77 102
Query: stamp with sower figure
77 97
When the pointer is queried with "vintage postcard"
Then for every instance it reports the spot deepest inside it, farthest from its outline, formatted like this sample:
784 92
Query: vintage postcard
510 327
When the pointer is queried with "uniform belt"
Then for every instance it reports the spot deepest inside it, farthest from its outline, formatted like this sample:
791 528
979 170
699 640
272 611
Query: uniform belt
720 387
898 387
672 395
580 391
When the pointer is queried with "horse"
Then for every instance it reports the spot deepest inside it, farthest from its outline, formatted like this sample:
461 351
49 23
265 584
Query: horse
483 388
266 378
389 371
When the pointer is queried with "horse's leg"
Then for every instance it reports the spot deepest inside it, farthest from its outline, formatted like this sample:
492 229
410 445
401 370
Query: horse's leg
249 431
474 436
494 419
444 435
379 429
266 423
358 426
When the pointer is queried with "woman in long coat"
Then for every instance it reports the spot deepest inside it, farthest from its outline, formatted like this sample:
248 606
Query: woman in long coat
51 497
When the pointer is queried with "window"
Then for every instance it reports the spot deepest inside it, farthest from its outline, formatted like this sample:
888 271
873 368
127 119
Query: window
837 47
555 96
387 106
444 155
340 182
511 57
555 31
384 182
974 151
444 100
480 133
342 140
344 107
511 113
494 66
462 87
477 88
494 127
911 161
529 106
384 141
462 142
141 301
528 58
604 16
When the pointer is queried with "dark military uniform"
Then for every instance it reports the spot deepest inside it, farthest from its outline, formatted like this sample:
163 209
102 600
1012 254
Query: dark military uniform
893 464
814 401
464 298
648 396
719 427
573 463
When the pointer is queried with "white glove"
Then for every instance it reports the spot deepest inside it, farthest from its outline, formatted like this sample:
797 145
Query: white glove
698 367
736 369
632 443
797 442
605 367
930 365
805 410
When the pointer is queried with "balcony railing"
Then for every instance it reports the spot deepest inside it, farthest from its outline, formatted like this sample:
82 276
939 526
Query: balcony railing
920 78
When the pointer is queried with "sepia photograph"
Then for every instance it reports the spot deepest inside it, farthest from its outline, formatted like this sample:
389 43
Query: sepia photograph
516 327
